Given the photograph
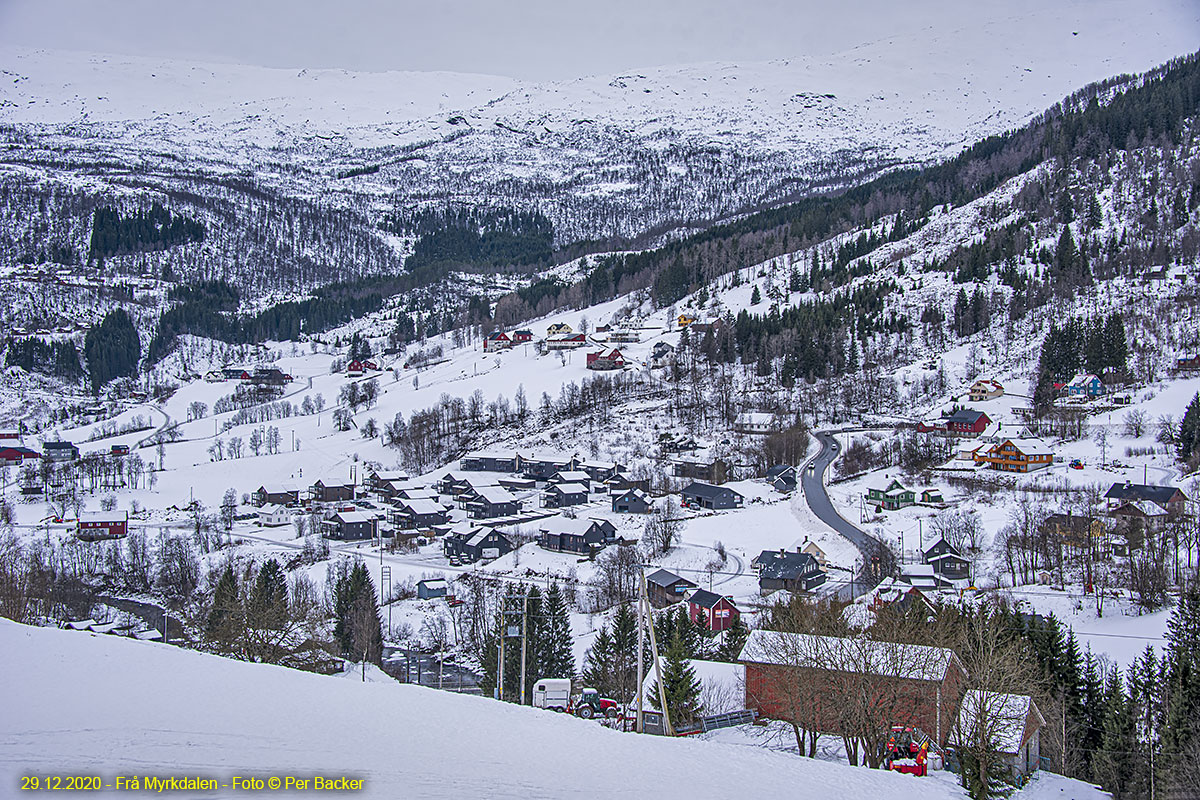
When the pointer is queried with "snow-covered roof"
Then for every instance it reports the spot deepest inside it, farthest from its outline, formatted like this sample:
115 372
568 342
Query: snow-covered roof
571 476
1004 717
423 506
347 517
270 510
569 488
1082 379
104 516
1146 507
1029 446
279 488
495 495
848 654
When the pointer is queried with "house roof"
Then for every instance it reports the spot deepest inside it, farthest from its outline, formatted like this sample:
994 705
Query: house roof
942 540
278 488
784 566
577 527
966 416
270 510
666 579
570 476
498 455
1004 716
1139 491
1082 379
567 488
631 494
707 490
1143 507
423 506
706 599
857 654
482 534
1028 446
351 517
104 516
432 583
780 469
495 495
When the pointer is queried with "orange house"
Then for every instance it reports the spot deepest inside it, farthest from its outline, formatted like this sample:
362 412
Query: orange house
1017 455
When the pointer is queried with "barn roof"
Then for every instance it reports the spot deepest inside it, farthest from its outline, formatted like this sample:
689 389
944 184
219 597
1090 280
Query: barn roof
665 579
1003 715
845 654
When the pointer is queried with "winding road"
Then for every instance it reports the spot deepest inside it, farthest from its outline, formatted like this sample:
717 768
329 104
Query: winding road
812 481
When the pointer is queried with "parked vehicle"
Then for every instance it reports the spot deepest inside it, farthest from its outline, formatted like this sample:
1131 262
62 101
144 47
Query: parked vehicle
552 693
1076 464
590 704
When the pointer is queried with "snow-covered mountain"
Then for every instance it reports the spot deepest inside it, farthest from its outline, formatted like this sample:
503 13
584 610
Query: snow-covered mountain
651 150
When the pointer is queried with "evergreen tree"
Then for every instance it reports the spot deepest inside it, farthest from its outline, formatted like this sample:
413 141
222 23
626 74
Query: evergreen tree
556 659
1112 764
1187 438
600 665
226 609
732 641
625 643
112 349
755 296
358 630
267 604
680 685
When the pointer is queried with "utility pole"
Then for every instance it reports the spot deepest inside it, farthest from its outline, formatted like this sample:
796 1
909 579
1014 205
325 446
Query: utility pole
641 658
524 639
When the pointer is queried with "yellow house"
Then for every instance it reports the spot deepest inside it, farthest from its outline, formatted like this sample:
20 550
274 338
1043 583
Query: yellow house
685 320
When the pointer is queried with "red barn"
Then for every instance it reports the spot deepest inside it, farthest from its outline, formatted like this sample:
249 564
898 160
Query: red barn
522 336
96 525
824 681
15 455
711 610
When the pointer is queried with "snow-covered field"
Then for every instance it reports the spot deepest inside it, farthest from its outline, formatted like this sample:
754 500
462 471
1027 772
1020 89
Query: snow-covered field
81 704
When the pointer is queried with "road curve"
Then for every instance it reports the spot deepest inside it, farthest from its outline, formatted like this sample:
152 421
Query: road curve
812 481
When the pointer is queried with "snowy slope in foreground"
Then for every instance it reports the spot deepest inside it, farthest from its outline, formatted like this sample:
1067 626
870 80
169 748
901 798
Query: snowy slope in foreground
81 704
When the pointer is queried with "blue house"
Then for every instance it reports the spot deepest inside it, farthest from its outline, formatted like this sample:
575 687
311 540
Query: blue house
1084 386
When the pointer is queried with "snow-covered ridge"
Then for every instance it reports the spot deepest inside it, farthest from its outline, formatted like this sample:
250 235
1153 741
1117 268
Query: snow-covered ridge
603 155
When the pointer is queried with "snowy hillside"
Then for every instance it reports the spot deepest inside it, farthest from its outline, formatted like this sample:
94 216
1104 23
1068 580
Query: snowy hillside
99 705
624 154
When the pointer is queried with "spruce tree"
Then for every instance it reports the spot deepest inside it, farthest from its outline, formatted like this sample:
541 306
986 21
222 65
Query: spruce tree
755 296
733 639
556 659
1112 764
1187 439
223 616
599 666
681 686
358 630
267 604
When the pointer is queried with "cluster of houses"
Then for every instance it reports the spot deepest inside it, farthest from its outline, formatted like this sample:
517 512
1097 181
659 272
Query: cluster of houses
265 376
712 611
987 446
894 496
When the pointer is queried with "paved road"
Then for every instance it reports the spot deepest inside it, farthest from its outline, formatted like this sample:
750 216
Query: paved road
813 483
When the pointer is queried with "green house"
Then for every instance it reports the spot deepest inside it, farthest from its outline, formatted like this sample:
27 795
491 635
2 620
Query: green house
891 497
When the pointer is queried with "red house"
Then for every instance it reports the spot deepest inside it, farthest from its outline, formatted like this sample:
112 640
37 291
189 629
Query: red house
522 336
966 422
96 525
354 368
497 340
711 610
606 359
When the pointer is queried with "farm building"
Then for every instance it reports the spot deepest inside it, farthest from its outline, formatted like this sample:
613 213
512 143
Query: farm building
901 684
565 341
15 455
498 340
1012 720
431 588
97 525
704 495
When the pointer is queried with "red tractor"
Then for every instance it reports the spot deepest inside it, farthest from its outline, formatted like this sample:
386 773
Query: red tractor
590 704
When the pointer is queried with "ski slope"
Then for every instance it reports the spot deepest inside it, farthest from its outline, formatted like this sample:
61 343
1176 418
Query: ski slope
80 704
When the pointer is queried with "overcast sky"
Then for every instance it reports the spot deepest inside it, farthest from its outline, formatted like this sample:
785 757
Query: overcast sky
539 39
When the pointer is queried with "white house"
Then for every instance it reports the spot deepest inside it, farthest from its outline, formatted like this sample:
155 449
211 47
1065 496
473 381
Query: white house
273 516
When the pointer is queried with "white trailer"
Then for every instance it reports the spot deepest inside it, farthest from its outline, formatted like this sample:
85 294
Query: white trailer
552 693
